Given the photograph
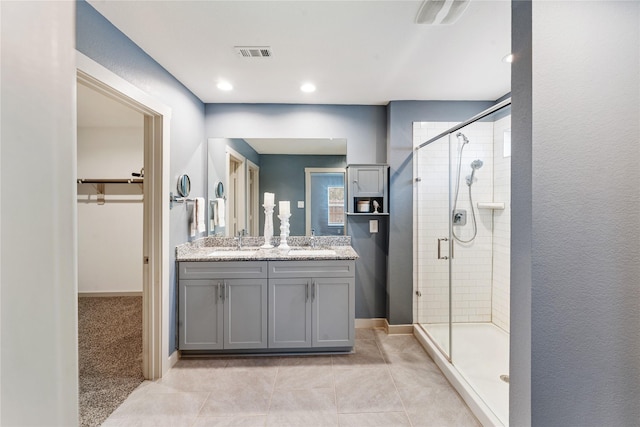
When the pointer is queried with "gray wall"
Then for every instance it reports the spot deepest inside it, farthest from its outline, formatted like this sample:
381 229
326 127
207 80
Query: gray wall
577 127
364 126
401 115
98 39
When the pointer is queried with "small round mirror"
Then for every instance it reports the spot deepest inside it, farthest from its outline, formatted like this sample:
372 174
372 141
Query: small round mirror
220 190
184 185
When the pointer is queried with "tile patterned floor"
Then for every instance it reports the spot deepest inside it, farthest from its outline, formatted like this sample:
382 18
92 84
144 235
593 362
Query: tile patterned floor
389 381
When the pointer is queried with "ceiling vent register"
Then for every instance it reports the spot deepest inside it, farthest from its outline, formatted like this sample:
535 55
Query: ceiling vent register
254 51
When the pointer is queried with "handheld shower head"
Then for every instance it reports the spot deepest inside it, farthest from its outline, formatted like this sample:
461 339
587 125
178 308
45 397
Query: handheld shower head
464 138
475 165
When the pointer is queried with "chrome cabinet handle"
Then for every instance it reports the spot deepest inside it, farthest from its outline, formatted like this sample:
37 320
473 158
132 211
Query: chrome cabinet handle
226 290
306 295
439 249
313 291
219 293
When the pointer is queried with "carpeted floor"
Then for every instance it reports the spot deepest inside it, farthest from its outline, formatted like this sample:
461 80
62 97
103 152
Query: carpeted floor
110 354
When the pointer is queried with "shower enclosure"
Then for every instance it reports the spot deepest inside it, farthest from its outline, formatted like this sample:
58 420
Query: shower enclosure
462 254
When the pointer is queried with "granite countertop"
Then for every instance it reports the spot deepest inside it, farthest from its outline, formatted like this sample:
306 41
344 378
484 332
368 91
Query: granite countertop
225 249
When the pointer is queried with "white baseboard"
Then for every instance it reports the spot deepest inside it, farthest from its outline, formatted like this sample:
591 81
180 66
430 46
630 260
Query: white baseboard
173 359
370 323
382 323
110 294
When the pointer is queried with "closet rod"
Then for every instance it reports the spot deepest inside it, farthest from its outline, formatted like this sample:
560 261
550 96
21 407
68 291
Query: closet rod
111 181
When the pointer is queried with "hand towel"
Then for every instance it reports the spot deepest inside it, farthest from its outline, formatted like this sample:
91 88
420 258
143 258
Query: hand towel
193 222
199 208
219 213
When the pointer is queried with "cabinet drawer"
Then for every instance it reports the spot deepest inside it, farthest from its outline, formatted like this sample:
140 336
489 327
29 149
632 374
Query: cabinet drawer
223 270
291 269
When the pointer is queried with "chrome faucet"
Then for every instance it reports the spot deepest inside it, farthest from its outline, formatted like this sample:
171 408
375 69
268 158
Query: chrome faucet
239 239
313 238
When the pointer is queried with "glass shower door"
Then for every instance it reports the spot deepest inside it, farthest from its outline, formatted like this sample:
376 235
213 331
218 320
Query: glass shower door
434 242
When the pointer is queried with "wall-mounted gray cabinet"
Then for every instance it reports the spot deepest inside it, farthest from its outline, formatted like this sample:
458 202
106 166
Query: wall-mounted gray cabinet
222 305
311 304
367 184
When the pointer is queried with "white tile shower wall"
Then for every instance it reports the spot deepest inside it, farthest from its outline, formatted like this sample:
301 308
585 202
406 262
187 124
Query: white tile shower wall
472 262
501 228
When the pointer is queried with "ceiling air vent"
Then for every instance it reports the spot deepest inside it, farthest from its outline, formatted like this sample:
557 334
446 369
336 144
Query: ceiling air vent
254 51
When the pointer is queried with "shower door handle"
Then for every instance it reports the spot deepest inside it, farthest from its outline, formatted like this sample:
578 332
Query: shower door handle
444 239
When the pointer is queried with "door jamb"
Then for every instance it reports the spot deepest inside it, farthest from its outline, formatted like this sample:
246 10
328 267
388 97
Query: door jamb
155 310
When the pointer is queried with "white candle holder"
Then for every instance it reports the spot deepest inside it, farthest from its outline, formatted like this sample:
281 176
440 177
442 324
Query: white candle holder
268 226
284 230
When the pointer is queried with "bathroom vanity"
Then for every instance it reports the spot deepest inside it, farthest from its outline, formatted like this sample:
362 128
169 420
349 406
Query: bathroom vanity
250 299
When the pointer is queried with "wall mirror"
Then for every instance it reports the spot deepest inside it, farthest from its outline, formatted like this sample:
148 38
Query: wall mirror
249 167
184 185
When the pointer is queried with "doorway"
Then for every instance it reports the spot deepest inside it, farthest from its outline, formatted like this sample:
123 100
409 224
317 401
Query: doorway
236 194
156 358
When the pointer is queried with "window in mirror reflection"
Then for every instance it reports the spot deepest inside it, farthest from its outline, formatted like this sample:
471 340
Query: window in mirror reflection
336 206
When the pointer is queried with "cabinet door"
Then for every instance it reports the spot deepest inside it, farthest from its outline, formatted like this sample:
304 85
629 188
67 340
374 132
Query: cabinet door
367 181
200 315
289 313
245 313
333 311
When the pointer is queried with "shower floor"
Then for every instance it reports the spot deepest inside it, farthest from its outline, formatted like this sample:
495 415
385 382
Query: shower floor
480 353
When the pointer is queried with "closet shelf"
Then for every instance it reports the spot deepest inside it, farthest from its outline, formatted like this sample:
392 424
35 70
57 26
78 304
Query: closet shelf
111 181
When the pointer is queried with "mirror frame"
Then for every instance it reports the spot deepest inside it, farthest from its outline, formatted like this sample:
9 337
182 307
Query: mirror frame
184 185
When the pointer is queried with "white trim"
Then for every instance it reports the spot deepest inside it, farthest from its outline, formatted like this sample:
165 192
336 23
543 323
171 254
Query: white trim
253 205
240 197
109 294
371 323
156 241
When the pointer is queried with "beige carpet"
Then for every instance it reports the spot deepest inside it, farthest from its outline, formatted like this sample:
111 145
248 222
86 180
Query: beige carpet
110 354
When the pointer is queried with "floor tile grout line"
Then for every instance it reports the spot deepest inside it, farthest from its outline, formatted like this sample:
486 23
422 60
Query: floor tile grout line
204 402
387 365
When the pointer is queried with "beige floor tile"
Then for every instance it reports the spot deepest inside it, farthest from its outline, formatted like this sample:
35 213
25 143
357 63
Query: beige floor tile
151 421
398 343
365 334
374 419
315 360
412 376
366 390
436 406
303 419
202 363
234 421
309 401
231 402
367 354
304 377
174 406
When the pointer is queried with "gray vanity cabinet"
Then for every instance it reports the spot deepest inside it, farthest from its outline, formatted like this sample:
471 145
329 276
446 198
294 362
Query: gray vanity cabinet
222 305
311 304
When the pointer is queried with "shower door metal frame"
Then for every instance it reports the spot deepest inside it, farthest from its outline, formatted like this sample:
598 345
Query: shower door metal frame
448 133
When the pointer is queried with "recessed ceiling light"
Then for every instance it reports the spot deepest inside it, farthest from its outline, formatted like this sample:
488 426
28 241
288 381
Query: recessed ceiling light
223 85
308 87
508 58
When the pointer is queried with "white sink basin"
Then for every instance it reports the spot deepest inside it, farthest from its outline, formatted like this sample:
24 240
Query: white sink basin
312 252
235 253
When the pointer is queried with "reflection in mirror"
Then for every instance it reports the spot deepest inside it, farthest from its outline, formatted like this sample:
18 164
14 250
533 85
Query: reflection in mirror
325 202
184 185
272 165
220 190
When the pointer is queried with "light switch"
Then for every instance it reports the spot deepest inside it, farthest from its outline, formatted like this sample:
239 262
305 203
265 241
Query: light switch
300 204
373 226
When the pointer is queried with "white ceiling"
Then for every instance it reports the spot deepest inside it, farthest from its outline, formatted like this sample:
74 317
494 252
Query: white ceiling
356 52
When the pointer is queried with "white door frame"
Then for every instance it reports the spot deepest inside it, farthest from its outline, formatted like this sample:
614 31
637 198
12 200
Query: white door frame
155 289
240 196
253 198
